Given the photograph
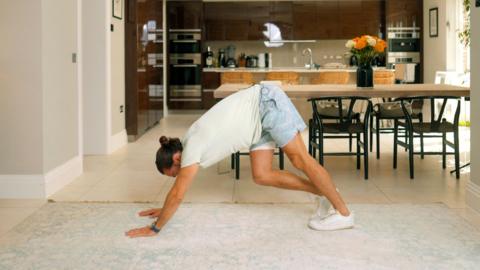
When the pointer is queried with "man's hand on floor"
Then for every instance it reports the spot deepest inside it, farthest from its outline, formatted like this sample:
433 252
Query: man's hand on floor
151 213
140 232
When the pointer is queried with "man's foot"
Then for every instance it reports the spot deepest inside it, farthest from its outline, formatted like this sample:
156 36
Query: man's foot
324 208
332 222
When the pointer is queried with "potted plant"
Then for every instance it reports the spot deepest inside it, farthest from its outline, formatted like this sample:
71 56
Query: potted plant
365 49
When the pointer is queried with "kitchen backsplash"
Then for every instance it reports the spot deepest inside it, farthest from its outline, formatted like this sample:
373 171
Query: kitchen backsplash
290 54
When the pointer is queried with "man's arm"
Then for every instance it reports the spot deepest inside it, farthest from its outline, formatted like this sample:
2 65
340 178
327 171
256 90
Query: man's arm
175 195
174 198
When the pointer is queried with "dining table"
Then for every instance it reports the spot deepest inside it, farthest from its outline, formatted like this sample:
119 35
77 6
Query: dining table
336 90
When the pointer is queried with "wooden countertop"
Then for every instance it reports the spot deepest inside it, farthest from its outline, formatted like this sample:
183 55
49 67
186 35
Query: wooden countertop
287 69
322 90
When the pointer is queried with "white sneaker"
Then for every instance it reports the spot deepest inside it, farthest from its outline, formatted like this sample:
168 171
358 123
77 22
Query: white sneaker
332 222
324 208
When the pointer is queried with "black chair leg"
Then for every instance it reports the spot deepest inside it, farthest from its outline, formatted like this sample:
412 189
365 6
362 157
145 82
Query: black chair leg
350 142
314 152
422 156
371 133
410 153
457 154
232 161
378 137
237 165
320 149
365 155
281 158
421 139
358 151
406 139
395 143
310 136
444 150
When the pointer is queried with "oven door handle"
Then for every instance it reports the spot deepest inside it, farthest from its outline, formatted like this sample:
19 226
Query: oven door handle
185 65
185 41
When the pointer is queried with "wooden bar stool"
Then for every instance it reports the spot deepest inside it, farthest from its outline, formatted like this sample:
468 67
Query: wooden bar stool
331 77
383 77
284 77
236 77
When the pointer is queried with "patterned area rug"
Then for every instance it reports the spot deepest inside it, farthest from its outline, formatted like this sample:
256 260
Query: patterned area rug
241 236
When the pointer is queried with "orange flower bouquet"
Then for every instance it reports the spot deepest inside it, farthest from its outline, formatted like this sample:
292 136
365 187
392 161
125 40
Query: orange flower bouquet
365 48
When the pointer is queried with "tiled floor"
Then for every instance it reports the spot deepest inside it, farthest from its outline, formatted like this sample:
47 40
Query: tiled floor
129 175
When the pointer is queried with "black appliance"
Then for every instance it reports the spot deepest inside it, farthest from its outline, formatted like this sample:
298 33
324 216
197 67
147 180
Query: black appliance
185 68
404 47
251 61
185 40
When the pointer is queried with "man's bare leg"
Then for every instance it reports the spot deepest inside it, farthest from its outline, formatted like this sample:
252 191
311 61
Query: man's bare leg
263 174
298 155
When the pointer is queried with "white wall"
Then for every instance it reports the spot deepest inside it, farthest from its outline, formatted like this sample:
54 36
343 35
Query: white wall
434 48
60 99
118 74
21 140
95 127
39 108
473 187
104 83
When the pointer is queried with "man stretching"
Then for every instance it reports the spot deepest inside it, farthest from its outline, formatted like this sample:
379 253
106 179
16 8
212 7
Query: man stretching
257 118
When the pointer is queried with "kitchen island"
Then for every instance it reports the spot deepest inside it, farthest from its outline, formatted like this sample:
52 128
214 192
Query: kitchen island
287 69
301 75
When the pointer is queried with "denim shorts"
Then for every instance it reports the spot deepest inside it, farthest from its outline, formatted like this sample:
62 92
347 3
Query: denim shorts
280 119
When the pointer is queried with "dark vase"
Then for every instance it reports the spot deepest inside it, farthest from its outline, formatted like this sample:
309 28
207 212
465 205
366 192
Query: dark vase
365 75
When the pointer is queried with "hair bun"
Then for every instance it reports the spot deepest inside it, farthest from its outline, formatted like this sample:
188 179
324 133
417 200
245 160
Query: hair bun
163 140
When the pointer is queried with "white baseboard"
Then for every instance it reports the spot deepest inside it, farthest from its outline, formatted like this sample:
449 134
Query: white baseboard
473 196
22 186
63 175
118 140
40 186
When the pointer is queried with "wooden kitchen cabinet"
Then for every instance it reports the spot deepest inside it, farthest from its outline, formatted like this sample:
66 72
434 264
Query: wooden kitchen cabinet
327 20
351 19
374 17
237 29
403 11
185 14
214 30
210 82
280 14
343 19
235 21
330 19
143 80
259 15
305 20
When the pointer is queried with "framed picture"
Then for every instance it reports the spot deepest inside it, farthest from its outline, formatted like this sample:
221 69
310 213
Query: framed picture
433 22
117 8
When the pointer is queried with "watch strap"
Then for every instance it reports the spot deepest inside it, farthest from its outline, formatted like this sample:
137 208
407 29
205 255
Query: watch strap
154 227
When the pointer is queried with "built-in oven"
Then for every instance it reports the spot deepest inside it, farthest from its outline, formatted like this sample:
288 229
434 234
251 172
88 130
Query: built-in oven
185 41
185 69
185 77
404 45
404 53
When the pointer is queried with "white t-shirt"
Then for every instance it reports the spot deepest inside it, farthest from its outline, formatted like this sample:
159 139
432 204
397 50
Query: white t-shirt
231 125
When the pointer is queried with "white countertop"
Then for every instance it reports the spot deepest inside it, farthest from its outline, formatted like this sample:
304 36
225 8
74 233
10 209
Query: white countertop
286 69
